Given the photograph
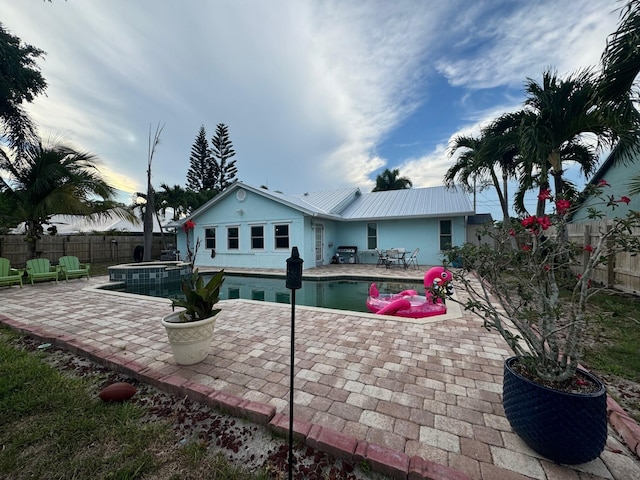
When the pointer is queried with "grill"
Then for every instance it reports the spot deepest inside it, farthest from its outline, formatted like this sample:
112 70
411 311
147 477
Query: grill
347 254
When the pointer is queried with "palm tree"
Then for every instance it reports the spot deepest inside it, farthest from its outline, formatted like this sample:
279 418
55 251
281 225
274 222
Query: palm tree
621 57
174 198
391 180
479 161
43 181
558 118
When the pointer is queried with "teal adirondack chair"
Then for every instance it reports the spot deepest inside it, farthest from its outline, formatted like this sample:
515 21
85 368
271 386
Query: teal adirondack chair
72 268
41 269
9 276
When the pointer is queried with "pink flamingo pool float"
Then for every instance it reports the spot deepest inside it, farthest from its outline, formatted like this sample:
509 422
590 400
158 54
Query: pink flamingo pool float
408 303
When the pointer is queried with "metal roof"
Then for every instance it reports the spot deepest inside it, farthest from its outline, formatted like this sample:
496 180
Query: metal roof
351 204
411 202
331 201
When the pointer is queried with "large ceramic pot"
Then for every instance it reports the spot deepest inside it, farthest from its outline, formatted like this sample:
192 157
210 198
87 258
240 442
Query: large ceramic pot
190 341
565 427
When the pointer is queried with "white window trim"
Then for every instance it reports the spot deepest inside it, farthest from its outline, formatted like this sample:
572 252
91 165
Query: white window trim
227 239
274 225
264 237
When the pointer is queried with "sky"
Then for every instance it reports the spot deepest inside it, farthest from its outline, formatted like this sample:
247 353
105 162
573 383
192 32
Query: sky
317 95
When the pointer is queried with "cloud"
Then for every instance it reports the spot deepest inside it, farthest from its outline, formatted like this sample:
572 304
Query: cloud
310 90
535 36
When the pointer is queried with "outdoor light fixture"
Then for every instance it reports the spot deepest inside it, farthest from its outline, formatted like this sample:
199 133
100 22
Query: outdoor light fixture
294 270
294 282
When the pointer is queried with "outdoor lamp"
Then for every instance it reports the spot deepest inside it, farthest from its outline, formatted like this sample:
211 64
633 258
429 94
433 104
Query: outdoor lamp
294 270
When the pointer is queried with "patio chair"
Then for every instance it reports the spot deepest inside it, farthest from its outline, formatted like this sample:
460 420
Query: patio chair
72 268
393 256
382 257
413 258
9 276
41 269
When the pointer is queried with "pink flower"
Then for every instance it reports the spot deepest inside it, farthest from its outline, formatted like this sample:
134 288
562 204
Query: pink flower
544 222
588 248
526 248
624 199
562 206
529 222
512 232
603 183
547 268
544 195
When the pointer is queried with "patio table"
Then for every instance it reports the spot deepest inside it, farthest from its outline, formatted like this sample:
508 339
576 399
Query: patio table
396 256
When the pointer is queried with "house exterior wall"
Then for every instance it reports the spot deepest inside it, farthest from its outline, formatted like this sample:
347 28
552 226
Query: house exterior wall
252 210
617 176
423 233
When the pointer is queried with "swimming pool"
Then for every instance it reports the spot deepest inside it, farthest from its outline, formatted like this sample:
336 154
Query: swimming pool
340 294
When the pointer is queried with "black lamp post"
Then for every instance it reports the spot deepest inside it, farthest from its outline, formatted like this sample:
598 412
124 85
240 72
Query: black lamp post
294 282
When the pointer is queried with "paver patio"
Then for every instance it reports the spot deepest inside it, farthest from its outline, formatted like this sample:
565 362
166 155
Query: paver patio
410 396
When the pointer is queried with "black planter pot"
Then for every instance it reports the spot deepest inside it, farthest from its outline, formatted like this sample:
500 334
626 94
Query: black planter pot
564 427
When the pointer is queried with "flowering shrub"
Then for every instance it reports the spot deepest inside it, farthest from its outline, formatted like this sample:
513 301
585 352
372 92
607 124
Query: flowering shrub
530 293
186 228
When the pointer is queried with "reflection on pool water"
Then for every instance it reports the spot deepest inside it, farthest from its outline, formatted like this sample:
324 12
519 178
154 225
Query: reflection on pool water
339 294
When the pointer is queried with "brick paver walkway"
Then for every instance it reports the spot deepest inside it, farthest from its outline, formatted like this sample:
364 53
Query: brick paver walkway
410 396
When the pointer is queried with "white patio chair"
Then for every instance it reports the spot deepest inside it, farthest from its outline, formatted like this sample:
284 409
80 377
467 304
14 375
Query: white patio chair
413 259
393 256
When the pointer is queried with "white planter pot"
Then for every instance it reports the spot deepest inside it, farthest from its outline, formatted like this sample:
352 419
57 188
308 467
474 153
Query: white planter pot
189 341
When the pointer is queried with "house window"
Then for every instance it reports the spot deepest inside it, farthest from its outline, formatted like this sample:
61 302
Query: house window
372 236
257 237
233 238
257 295
446 237
282 236
210 238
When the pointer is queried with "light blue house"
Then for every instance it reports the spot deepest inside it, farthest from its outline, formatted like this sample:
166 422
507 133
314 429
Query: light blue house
618 176
252 227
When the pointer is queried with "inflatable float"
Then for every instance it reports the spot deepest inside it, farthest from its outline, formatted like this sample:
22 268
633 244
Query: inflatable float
408 303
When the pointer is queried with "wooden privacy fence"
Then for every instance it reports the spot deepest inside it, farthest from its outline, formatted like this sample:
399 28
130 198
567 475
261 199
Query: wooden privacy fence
621 271
88 248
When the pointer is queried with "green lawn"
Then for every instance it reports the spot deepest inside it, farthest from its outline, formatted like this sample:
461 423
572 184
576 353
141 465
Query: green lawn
53 426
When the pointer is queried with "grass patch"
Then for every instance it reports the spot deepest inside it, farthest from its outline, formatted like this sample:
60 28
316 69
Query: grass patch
54 426
614 348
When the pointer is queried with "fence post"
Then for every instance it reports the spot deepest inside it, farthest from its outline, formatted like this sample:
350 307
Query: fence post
586 240
611 262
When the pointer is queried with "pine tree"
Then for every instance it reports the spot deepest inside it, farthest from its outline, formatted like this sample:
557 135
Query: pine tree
224 169
200 174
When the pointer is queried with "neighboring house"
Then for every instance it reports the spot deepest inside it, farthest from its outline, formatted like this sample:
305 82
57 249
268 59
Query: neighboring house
617 175
69 225
245 226
476 224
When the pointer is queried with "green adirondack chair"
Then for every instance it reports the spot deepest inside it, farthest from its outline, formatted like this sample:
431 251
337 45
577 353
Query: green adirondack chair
9 276
41 269
72 268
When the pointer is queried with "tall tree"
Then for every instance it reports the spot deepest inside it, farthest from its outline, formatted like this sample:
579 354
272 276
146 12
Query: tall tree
560 112
43 181
224 169
20 81
200 174
174 198
391 180
621 57
486 160
150 209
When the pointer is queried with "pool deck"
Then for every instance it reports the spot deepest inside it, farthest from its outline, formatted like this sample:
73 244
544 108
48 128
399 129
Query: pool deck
419 399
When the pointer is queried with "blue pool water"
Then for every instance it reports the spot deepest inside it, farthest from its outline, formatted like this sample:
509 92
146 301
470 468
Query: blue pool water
339 294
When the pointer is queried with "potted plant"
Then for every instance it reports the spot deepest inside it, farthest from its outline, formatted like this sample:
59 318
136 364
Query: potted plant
536 297
190 330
